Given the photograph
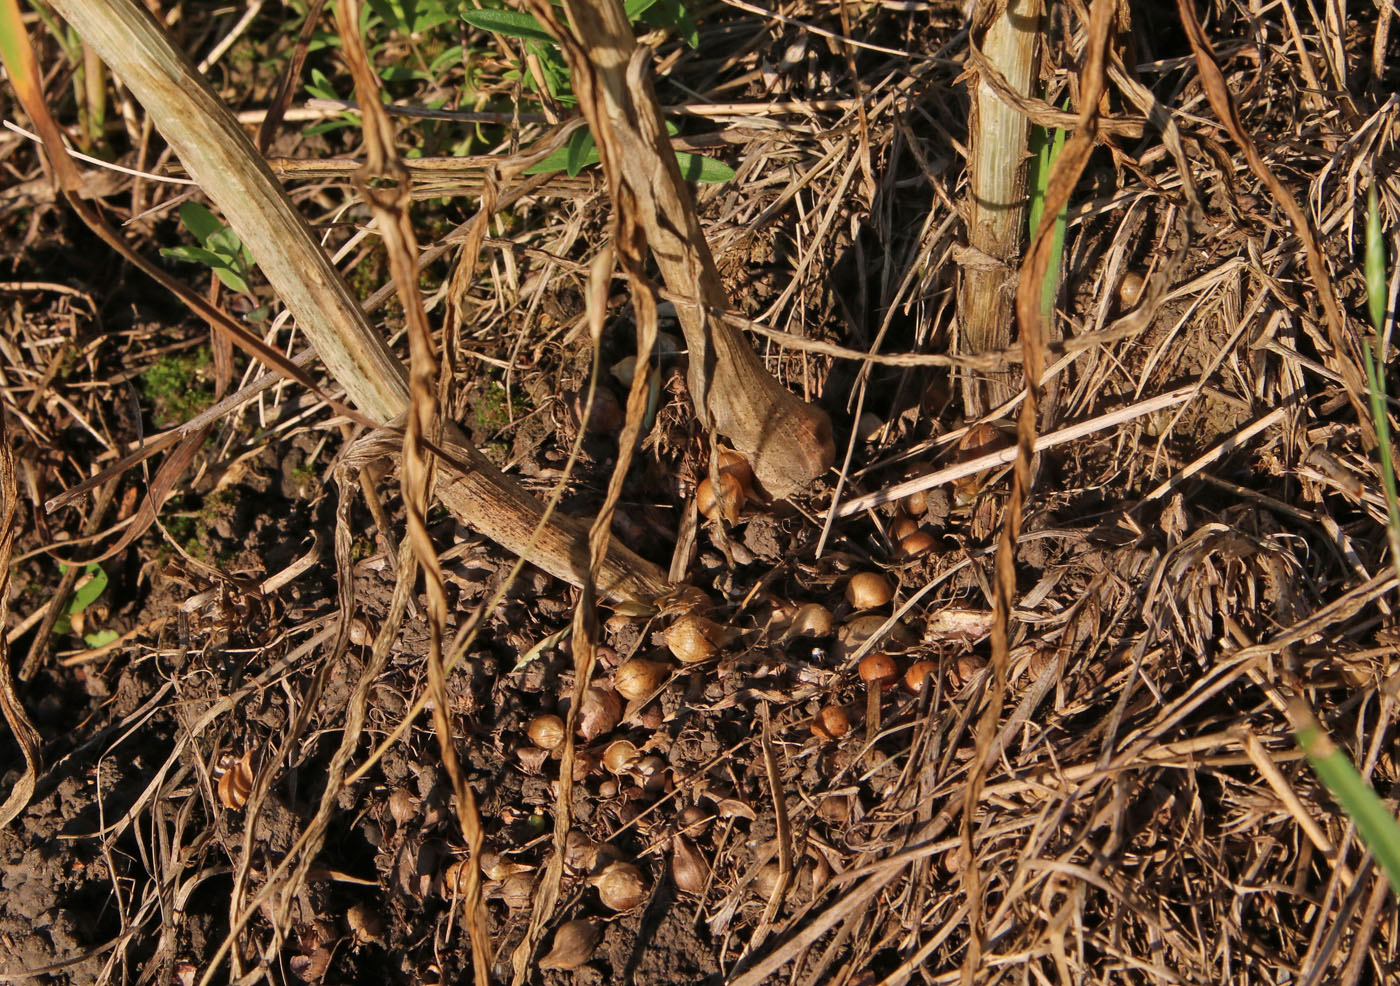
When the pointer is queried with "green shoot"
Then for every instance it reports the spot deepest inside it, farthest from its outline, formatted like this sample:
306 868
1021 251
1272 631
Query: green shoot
219 248
1375 371
1045 148
1374 821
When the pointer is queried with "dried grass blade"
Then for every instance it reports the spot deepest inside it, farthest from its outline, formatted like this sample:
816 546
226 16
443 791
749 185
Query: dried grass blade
1070 165
1344 354
787 441
20 727
214 148
390 205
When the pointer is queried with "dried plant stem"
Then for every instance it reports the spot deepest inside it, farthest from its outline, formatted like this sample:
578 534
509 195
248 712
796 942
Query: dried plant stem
787 441
997 138
219 155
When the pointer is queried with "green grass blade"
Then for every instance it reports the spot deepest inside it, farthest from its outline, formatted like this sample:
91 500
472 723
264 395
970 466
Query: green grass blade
1374 821
1375 261
1375 369
1045 148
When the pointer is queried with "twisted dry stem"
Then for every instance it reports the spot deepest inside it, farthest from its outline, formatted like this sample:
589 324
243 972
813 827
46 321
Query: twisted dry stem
215 150
787 441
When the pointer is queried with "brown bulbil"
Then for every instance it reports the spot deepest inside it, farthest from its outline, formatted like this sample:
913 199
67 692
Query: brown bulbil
547 732
879 670
966 668
917 544
731 463
639 678
688 868
1041 658
619 755
868 590
918 673
621 886
574 944
728 504
980 440
832 722
695 820
599 713
693 638
765 881
811 620
1130 289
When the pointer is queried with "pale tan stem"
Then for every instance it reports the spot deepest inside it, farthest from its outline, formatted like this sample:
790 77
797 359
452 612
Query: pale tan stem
787 441
217 153
997 139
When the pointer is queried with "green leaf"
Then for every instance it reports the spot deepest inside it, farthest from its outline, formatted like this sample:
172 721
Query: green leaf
559 160
706 169
512 23
200 221
582 151
1374 821
636 8
101 639
191 254
320 86
402 73
450 58
87 592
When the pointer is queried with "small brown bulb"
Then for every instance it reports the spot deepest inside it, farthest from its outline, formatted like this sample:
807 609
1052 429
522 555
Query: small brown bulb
1130 289
693 638
237 782
580 852
728 504
547 732
574 944
639 678
878 670
688 867
765 881
1041 658
455 877
811 620
903 527
966 668
981 439
619 755
621 886
695 820
915 504
917 543
831 722
918 673
868 590
599 713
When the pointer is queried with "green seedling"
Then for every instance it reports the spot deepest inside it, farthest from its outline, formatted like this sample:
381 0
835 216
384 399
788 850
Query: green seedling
91 584
581 151
177 387
1374 820
219 249
1045 146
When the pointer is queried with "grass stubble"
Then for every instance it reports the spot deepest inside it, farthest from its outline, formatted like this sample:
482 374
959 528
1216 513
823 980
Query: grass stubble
1130 809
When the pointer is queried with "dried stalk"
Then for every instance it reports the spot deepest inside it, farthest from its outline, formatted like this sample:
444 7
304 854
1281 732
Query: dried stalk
1005 39
217 153
787 440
